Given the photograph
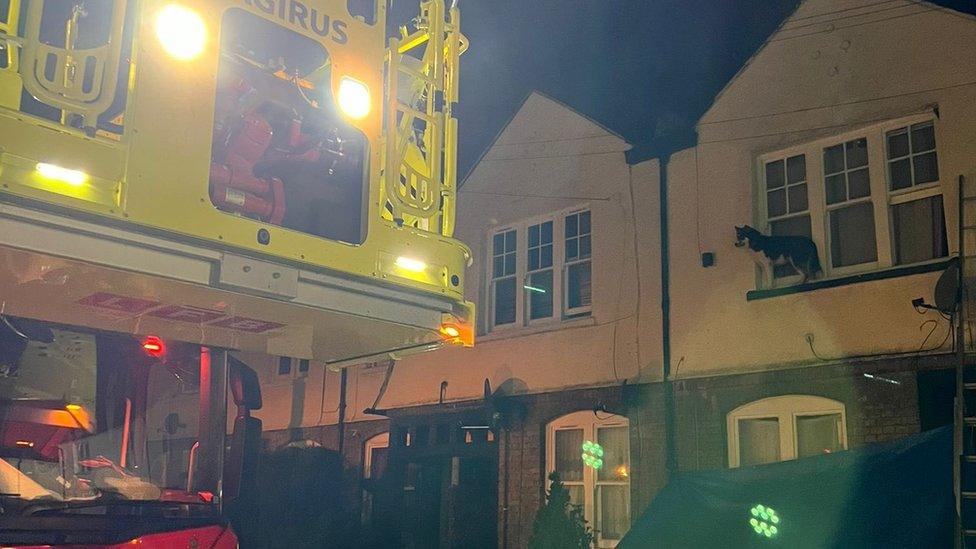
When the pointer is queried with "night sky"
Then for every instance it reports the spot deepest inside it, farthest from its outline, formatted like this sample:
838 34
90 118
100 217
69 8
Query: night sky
646 69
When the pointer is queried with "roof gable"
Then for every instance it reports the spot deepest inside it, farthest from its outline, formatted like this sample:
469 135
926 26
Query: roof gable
814 34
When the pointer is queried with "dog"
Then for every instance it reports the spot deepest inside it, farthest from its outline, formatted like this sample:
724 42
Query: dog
797 251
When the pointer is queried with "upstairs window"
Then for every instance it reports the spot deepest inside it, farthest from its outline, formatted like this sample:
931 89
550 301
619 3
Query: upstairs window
850 212
503 287
917 214
578 270
787 202
869 199
539 271
538 277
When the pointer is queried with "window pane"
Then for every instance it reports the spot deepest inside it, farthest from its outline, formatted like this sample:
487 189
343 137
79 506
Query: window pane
834 159
540 295
817 435
857 153
758 441
926 168
545 257
584 246
852 238
510 263
498 243
284 365
575 494
836 188
378 461
568 460
533 259
572 225
775 177
613 518
584 224
534 235
578 291
572 249
504 305
794 226
859 184
919 228
900 172
796 169
616 453
798 198
898 143
776 203
510 243
923 138
546 232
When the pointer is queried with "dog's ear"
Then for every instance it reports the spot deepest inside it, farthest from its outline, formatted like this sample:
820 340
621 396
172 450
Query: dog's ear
738 228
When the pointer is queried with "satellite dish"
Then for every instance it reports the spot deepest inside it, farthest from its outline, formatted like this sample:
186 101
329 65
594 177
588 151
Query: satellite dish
947 294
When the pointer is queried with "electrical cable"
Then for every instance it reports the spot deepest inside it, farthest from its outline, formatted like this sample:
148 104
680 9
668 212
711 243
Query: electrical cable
785 38
846 17
840 104
521 195
834 12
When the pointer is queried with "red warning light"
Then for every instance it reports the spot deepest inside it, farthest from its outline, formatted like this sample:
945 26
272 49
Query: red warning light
153 346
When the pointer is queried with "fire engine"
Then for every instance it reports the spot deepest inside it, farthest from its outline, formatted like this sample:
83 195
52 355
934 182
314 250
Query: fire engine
186 184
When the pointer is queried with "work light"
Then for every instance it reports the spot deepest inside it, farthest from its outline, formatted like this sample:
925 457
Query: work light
181 32
353 98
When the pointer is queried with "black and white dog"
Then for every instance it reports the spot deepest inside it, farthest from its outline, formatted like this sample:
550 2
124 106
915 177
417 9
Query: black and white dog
798 251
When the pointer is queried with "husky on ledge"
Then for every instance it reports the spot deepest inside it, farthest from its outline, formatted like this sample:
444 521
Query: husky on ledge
798 251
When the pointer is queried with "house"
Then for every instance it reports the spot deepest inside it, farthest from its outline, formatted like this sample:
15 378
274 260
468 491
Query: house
851 126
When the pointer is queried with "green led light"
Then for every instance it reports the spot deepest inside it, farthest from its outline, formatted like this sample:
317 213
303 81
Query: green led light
763 521
592 454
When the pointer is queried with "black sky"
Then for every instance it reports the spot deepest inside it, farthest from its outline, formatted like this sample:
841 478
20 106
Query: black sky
638 67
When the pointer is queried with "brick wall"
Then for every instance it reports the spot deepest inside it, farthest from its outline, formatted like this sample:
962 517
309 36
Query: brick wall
522 459
877 410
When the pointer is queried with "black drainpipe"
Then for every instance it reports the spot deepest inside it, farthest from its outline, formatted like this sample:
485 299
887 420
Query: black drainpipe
671 460
343 380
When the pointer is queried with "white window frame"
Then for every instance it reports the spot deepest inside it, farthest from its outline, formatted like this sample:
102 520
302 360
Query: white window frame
560 311
528 320
881 198
381 440
589 423
785 409
764 207
492 280
585 309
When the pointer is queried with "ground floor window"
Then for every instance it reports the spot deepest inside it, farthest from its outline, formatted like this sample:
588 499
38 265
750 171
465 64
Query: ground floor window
785 427
604 491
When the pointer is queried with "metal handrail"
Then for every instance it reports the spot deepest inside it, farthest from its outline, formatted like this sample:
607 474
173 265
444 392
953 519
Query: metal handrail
66 89
419 182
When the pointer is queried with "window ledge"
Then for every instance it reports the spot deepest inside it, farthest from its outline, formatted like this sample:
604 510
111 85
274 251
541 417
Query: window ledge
894 272
540 328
